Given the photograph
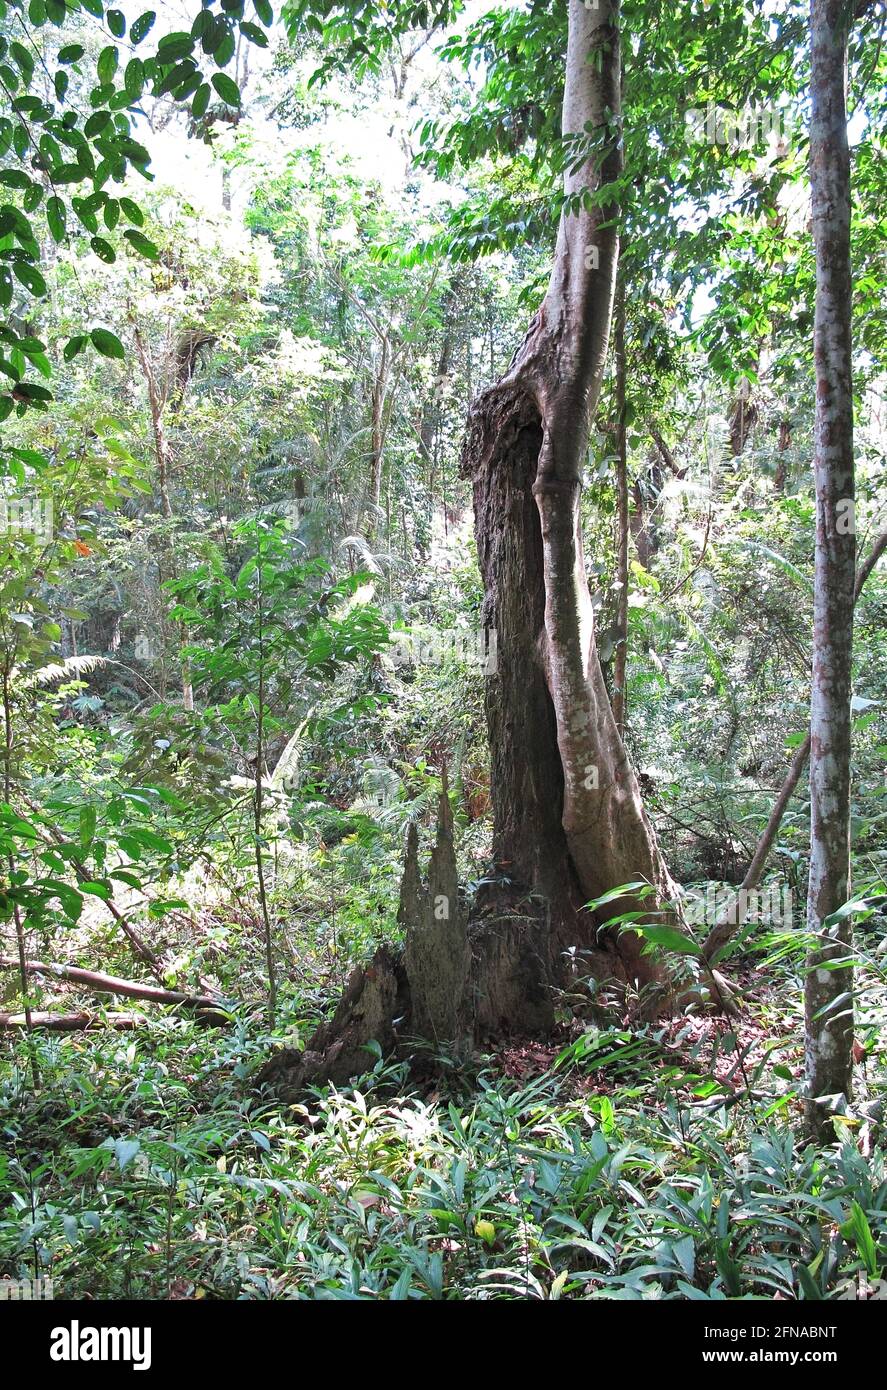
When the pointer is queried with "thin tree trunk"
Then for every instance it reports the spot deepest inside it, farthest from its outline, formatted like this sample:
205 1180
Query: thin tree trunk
377 429
785 442
828 1010
667 456
157 400
620 660
258 807
140 948
8 740
742 418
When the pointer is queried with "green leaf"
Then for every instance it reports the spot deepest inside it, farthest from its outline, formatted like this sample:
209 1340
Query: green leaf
33 392
201 101
96 123
74 346
669 938
23 58
116 23
225 50
55 217
227 88
174 47
255 34
103 249
87 826
150 840
140 28
161 907
134 78
143 245
809 1287
14 178
132 212
131 880
106 66
71 53
107 343
70 899
30 277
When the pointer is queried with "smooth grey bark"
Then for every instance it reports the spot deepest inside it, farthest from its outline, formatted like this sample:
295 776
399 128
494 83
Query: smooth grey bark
623 522
828 1010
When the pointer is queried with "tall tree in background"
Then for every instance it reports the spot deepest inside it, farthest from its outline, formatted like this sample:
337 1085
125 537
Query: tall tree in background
829 1016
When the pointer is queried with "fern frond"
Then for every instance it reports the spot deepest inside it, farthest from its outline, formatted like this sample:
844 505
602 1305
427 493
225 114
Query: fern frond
68 669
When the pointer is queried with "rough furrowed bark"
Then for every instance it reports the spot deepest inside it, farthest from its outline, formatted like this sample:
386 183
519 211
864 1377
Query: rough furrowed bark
544 406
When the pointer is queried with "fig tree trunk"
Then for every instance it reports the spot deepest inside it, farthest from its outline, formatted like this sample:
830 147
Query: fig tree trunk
567 806
568 821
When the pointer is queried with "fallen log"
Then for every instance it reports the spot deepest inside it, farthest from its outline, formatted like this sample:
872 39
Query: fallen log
72 1023
112 984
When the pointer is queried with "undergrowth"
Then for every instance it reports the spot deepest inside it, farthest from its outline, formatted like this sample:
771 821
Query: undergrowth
628 1165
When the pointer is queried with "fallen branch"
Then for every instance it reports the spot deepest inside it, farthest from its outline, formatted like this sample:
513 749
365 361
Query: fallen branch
112 984
726 928
72 1023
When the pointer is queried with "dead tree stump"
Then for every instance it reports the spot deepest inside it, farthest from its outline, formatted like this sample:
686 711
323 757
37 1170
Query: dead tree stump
459 977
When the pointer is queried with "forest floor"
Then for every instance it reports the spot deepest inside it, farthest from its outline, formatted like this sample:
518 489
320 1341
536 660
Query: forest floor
626 1161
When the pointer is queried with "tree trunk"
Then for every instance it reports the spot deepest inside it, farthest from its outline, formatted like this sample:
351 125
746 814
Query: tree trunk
828 1010
568 821
620 659
157 402
72 1023
785 443
527 438
742 418
377 430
